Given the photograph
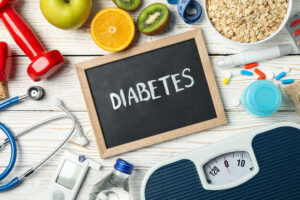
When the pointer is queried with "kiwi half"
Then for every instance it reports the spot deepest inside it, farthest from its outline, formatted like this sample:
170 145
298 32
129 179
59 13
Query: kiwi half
154 19
127 4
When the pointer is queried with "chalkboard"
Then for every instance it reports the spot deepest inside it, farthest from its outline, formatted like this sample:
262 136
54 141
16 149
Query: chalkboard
152 93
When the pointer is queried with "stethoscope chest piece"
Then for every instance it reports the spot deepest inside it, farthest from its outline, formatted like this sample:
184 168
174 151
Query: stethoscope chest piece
35 93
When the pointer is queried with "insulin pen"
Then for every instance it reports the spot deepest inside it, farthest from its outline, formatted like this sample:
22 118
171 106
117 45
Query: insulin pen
257 55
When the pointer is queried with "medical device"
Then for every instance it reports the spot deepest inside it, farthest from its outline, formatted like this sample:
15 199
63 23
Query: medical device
69 176
258 164
35 93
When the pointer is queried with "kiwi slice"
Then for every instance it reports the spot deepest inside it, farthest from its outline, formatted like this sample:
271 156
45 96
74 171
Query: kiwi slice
154 19
127 4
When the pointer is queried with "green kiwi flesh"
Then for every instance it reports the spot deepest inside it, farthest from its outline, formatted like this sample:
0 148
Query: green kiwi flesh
127 4
154 19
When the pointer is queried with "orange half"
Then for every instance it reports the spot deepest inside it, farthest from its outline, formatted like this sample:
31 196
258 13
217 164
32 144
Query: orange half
112 29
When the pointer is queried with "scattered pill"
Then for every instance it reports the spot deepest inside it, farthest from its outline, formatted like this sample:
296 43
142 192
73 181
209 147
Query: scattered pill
247 73
297 32
286 69
260 73
287 81
269 75
250 65
237 102
296 22
227 78
279 76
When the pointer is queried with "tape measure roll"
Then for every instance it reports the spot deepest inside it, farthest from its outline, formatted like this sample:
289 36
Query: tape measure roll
189 10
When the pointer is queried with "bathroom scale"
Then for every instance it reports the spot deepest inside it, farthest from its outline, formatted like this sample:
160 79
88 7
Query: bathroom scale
255 165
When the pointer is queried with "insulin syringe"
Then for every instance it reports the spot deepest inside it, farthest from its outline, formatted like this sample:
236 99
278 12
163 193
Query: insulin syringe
257 55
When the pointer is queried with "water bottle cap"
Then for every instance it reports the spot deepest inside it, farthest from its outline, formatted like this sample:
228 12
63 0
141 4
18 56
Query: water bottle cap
123 166
262 98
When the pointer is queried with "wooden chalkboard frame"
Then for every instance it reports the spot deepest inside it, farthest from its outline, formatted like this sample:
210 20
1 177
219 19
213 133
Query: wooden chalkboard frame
108 152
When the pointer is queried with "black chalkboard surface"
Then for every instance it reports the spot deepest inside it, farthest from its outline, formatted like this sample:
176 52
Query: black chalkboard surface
152 93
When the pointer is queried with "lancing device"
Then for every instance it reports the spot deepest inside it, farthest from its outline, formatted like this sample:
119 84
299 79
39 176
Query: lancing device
257 55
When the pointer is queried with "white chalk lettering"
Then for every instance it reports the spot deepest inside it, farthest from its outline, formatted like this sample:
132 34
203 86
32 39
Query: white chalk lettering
164 80
113 97
152 89
141 88
188 77
132 95
175 82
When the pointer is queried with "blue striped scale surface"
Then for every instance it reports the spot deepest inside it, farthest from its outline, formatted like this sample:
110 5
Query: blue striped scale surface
278 155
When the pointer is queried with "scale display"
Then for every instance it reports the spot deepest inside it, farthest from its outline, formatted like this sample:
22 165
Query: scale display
228 168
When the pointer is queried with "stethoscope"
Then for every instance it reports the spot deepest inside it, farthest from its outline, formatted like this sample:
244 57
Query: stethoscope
34 93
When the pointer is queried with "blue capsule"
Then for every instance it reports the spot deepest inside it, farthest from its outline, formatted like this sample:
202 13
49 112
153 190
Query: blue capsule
287 81
279 76
247 73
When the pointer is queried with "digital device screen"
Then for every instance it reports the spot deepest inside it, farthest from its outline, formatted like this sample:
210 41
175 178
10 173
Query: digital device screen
68 174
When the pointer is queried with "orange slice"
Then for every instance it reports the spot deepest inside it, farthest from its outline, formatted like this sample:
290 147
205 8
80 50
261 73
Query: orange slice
112 29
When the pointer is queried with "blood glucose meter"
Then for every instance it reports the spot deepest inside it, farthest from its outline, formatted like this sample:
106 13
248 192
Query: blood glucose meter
69 176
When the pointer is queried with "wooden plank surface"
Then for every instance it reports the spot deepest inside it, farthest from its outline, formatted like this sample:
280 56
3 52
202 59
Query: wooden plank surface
78 46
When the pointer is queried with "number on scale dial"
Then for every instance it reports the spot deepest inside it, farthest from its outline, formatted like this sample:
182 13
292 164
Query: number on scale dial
228 168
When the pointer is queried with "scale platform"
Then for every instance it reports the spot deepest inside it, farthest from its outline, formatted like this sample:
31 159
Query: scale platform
258 165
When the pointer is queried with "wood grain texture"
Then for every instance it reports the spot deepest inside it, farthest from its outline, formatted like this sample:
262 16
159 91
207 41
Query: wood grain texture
64 85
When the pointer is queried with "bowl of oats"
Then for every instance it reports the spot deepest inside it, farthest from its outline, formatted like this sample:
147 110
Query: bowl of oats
248 21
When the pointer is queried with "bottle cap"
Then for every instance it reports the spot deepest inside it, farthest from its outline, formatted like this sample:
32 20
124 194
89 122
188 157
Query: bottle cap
262 98
123 166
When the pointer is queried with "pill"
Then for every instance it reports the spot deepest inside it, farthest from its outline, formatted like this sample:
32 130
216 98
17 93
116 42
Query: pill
269 75
237 102
250 65
297 32
247 73
286 69
287 81
227 78
279 76
295 22
260 73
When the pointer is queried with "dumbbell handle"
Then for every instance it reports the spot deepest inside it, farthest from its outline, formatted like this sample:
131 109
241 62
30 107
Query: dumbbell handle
20 31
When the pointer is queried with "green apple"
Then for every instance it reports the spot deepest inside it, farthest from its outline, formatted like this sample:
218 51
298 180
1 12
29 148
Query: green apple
66 14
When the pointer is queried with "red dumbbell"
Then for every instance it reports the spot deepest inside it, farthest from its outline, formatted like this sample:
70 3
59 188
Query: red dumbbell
43 64
6 62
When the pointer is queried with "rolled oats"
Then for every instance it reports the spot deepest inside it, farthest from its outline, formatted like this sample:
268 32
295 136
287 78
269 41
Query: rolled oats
246 20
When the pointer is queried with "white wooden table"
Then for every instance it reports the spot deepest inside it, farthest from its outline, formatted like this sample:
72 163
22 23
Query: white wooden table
77 46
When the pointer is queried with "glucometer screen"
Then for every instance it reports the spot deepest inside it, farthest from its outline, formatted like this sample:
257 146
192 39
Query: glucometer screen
68 174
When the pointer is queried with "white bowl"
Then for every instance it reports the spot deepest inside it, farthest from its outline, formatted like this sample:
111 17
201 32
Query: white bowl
288 13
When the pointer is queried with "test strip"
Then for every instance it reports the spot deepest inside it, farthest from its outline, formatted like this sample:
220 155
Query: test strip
295 22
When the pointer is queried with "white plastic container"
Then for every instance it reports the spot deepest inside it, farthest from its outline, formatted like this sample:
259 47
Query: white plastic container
284 21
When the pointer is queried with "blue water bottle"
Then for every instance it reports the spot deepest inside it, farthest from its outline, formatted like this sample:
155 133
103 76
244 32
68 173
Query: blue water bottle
261 98
115 185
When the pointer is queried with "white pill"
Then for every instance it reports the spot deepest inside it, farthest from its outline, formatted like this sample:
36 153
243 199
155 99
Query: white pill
286 69
237 102
269 75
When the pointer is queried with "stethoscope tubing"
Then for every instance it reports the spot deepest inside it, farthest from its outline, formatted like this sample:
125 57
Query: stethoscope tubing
11 139
13 155
9 103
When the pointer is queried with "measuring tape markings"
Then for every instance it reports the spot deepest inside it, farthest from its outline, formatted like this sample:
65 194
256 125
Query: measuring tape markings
182 8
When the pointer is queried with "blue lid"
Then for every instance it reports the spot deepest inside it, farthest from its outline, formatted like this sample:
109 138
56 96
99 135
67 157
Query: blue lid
262 98
123 166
